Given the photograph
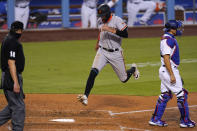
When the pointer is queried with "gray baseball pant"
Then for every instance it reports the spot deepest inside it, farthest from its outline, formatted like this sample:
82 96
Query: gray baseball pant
15 110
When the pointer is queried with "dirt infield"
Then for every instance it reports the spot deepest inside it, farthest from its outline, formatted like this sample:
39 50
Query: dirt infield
104 112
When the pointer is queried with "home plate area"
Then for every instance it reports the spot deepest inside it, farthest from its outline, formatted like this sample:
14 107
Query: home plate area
62 112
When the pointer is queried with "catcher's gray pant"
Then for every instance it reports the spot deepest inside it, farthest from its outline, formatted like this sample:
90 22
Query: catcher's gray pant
15 110
115 59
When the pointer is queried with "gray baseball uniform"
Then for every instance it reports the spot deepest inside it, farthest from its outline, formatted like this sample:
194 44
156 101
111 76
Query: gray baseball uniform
112 28
110 50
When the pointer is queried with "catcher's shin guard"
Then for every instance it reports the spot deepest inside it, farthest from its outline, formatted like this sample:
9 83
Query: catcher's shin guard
90 82
161 105
183 105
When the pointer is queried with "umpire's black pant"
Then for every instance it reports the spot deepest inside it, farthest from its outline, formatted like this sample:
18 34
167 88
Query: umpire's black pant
15 110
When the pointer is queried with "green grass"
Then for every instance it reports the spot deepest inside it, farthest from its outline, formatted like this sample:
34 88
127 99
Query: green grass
63 67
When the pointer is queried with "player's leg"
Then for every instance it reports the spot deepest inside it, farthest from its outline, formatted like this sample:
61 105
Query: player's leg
93 19
132 10
90 82
18 14
182 103
160 108
99 62
17 105
84 16
25 17
162 101
117 62
5 115
149 6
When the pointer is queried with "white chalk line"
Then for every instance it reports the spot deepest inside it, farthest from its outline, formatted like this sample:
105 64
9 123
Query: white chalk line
112 114
128 128
159 63
139 111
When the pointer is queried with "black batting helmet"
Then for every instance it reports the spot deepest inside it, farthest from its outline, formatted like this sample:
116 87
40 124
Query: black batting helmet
16 25
104 11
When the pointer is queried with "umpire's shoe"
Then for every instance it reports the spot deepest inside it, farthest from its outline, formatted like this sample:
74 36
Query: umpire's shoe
83 99
136 74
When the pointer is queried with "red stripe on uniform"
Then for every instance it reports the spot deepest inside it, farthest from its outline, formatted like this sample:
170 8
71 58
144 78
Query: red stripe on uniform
99 36
124 28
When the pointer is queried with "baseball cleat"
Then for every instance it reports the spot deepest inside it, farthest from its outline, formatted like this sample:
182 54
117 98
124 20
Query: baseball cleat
136 74
188 124
83 99
142 22
157 123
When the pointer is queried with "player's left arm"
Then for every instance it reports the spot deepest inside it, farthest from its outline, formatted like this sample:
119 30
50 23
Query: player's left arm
121 33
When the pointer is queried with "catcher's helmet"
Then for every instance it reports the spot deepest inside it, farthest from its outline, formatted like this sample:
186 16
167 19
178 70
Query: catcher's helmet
104 12
16 25
174 24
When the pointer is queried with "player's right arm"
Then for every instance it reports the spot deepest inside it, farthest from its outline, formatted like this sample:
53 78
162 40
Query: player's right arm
12 50
169 68
166 49
97 43
13 72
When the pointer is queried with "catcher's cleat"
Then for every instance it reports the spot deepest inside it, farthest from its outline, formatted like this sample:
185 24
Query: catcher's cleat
157 123
188 124
136 74
83 99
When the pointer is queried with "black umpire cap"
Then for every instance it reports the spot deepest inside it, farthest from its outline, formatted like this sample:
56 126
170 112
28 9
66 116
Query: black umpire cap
16 25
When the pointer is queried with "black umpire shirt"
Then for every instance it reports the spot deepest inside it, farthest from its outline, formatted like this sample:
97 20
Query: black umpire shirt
12 49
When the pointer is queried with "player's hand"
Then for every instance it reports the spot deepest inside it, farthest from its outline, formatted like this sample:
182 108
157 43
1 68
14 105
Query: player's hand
172 79
16 87
104 28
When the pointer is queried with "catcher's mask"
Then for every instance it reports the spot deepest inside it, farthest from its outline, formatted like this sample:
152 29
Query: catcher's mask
176 25
104 12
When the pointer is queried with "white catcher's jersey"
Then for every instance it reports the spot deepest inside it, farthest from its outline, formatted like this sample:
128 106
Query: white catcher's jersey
107 39
169 46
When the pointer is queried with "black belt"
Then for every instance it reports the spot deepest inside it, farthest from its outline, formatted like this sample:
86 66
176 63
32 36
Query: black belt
91 7
109 50
165 66
21 6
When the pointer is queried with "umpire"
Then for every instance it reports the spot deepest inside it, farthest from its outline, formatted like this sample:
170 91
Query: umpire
12 65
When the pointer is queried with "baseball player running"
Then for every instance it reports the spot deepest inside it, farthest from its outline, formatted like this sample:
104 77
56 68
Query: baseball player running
112 29
170 77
